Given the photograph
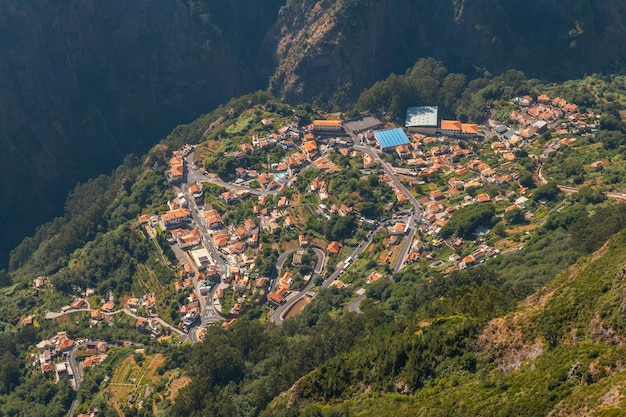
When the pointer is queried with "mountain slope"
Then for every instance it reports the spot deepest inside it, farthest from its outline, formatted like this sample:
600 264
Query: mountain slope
560 353
83 83
332 50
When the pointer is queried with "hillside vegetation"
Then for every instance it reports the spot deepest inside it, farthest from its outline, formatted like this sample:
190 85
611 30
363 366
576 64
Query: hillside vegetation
87 82
559 353
553 40
530 331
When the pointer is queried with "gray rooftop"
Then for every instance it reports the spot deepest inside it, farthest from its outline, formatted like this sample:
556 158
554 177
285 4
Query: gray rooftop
360 124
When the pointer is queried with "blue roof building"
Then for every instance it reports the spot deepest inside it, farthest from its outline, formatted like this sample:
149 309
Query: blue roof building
390 138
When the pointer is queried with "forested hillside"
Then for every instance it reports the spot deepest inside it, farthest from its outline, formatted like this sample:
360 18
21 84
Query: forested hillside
84 83
429 337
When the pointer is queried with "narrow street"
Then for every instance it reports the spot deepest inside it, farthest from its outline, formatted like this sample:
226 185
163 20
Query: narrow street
417 208
320 264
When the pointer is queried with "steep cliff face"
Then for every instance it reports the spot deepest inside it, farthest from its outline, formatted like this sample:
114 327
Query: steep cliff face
349 44
84 82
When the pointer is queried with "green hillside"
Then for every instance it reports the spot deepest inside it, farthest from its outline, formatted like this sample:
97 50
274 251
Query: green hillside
530 323
560 351
87 82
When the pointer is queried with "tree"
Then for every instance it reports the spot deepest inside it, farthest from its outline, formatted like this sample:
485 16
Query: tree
611 122
526 179
340 228
9 372
588 195
514 216
370 210
5 278
548 191
451 90
499 230
465 220
611 139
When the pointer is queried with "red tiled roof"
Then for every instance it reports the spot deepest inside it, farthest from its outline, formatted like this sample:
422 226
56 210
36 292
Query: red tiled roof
450 125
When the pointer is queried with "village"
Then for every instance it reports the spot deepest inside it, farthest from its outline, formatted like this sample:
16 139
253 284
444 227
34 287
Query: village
254 236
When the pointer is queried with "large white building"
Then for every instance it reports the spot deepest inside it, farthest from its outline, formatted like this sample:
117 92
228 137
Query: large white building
422 119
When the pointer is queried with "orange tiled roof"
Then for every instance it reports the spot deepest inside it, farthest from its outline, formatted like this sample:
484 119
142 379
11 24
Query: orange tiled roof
275 297
469 128
90 361
176 214
334 247
327 123
543 98
310 145
450 125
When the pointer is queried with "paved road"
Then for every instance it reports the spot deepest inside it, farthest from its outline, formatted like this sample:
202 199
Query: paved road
77 374
282 258
353 306
196 176
279 314
616 195
541 180
357 251
76 371
216 255
157 318
208 313
51 315
417 208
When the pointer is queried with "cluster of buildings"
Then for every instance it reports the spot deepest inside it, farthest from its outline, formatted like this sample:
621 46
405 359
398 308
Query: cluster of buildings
432 147
534 117
479 255
190 311
176 167
425 120
283 285
464 173
176 164
52 355
145 304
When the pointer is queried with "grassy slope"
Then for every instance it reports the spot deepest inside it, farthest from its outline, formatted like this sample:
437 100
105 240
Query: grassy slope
576 327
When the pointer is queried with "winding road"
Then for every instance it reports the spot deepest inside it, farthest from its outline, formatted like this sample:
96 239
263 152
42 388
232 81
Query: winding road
320 264
353 306
52 316
194 175
279 314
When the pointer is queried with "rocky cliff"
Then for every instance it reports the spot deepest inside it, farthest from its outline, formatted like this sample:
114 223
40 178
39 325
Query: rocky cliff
333 49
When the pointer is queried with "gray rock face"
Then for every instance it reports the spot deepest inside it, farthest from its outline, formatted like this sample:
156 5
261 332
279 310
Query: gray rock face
334 49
